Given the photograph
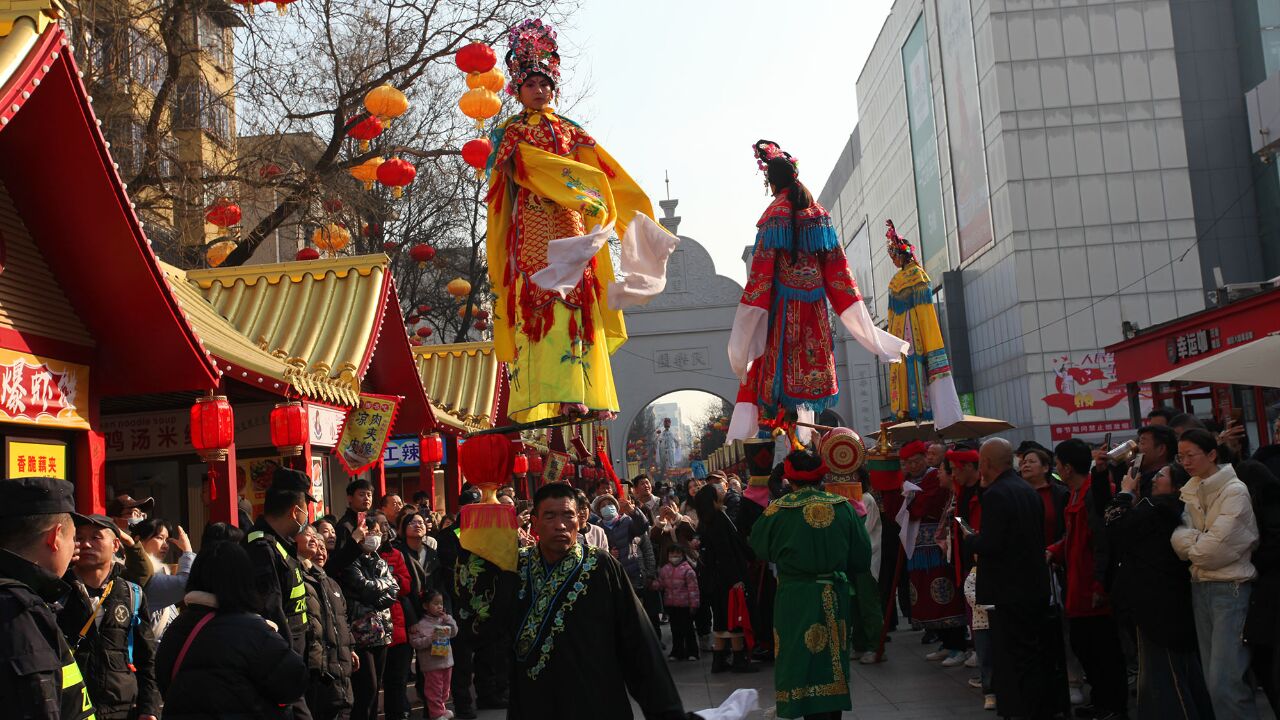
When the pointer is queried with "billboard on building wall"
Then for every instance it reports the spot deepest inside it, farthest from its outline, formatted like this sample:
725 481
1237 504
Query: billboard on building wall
964 127
924 151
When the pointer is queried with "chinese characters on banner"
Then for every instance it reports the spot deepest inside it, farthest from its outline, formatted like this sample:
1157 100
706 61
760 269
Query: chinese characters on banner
681 360
36 459
555 466
365 432
42 391
1070 430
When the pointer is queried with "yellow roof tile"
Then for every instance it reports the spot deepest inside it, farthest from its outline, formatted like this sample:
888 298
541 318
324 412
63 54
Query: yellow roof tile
320 317
231 346
461 382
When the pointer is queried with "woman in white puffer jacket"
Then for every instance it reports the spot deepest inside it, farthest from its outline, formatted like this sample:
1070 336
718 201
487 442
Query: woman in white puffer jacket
1218 535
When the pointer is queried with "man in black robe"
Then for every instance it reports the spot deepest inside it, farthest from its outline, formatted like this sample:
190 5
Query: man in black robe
582 640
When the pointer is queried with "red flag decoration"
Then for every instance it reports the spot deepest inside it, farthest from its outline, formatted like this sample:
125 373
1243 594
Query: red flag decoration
365 431
603 457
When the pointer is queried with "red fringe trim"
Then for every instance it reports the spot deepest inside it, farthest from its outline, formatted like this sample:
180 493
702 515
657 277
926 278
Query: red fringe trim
605 167
521 171
483 517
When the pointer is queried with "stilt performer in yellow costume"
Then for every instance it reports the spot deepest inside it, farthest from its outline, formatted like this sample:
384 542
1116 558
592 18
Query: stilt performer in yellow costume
555 199
921 387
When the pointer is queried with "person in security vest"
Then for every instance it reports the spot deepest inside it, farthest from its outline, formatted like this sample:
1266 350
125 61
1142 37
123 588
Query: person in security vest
278 574
39 677
106 621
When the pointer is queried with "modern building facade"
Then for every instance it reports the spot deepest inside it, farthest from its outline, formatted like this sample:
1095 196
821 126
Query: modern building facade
1069 172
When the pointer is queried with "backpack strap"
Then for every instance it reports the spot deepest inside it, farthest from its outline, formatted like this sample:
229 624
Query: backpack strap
186 644
135 604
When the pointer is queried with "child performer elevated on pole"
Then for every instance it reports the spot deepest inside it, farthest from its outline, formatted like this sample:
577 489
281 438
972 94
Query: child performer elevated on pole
920 388
781 344
555 198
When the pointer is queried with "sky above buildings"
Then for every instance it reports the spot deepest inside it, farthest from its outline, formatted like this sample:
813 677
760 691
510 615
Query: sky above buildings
684 87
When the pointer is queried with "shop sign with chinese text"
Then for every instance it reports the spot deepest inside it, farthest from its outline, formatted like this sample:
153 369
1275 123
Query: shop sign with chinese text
36 459
365 431
402 453
42 391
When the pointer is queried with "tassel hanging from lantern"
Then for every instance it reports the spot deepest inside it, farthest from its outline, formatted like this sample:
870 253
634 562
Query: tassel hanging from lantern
488 528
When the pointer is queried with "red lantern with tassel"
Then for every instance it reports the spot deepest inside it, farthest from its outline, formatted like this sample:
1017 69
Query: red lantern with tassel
366 130
431 450
476 58
488 528
396 173
424 332
476 153
223 213
307 253
289 427
422 253
212 427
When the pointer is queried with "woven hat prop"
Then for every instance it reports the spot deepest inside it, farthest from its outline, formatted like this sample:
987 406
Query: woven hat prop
532 50
843 452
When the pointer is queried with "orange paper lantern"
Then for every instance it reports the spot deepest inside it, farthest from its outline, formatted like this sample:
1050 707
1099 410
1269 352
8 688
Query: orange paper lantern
367 171
386 103
331 238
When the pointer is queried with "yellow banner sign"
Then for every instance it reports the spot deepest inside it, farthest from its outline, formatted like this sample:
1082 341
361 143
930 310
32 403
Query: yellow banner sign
43 391
36 459
365 432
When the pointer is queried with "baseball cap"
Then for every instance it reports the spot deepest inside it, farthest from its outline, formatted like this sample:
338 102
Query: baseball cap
120 504
37 496
99 520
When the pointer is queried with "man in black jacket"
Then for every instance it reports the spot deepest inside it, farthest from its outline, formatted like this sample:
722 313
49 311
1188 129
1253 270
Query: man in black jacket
1013 576
108 625
39 677
278 575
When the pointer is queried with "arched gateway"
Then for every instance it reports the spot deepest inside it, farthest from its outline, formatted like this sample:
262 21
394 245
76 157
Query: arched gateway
678 341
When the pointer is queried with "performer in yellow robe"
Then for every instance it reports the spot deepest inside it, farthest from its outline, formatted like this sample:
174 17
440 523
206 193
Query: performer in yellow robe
549 181
921 387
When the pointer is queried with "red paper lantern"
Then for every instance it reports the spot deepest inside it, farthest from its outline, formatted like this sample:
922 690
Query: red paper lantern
481 314
476 152
535 464
395 173
424 309
431 450
520 465
365 130
476 58
481 325
424 332
422 253
212 427
412 319
289 427
307 253
390 247
223 213
332 206
270 170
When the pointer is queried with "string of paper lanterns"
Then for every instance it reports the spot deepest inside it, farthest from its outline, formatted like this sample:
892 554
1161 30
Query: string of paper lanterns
480 102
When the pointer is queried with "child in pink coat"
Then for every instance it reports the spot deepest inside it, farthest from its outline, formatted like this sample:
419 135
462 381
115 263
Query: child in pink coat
680 598
431 638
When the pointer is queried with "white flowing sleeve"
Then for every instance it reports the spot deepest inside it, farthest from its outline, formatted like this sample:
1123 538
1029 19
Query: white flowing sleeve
747 339
857 320
646 246
567 259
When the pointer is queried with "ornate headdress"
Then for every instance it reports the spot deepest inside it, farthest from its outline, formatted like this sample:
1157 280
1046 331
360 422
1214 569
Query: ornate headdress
897 244
532 50
766 150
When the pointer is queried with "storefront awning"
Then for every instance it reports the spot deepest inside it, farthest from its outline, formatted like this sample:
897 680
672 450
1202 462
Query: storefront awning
70 198
1252 364
1183 348
462 383
337 321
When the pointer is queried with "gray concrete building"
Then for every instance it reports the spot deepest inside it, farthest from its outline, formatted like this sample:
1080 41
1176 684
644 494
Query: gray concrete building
1069 171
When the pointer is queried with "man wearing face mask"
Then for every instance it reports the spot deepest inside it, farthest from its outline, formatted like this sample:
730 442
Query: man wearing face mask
278 575
126 512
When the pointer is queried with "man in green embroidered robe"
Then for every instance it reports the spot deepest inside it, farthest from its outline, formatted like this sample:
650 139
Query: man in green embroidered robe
582 640
818 543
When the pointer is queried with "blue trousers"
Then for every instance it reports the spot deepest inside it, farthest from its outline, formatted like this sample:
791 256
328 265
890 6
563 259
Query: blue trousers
1220 609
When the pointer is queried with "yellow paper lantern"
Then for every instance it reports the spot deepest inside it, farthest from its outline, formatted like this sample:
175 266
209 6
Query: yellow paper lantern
218 252
458 287
386 102
480 104
367 172
331 238
493 81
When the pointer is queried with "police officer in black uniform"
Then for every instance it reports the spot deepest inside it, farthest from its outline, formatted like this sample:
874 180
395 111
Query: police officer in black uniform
278 574
39 678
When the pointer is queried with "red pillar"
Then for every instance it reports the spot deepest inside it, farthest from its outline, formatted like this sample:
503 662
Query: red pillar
90 479
224 506
379 472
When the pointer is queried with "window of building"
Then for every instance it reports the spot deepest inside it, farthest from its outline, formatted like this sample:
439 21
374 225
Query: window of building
212 40
147 60
198 107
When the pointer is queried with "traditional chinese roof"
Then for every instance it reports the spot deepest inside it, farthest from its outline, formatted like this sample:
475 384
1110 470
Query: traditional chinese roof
462 382
71 200
337 321
245 361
